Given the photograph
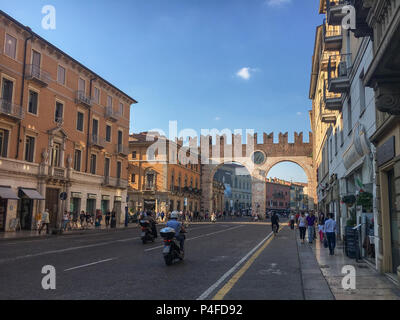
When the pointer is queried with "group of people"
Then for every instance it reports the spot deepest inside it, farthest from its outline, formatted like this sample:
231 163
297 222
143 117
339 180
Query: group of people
70 220
307 223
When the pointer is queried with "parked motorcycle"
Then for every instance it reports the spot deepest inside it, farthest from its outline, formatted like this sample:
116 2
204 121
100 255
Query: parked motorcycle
171 249
147 233
213 218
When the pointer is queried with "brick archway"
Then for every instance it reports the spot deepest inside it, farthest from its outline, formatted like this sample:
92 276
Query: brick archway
220 153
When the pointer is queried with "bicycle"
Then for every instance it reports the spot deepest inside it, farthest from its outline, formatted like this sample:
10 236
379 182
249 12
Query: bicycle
275 229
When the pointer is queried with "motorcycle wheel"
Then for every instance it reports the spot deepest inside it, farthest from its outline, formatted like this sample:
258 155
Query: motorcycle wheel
168 260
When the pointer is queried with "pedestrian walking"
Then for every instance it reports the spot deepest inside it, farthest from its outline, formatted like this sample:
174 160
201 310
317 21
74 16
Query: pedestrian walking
113 220
99 218
302 224
88 218
330 233
45 221
65 220
38 219
107 219
82 218
292 220
311 229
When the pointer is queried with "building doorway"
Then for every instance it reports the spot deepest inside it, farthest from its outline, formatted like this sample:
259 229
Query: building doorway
3 214
149 205
25 213
52 196
394 223
90 206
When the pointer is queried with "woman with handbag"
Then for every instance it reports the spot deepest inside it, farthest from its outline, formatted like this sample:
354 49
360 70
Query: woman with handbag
302 226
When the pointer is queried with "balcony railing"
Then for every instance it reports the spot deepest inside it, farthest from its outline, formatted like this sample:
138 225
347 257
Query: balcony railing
328 118
115 182
332 37
334 13
332 101
122 150
58 173
96 141
11 110
83 99
35 73
339 73
326 55
112 114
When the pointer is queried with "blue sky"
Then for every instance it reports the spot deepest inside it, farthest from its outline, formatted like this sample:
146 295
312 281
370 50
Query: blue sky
237 64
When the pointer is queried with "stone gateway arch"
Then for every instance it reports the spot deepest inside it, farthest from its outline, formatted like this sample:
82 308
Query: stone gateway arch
258 159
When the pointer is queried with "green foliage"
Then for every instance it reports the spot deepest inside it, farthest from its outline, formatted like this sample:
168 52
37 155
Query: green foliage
364 199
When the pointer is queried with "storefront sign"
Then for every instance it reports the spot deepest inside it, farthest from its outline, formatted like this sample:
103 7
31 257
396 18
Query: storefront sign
107 198
386 152
76 195
118 199
92 196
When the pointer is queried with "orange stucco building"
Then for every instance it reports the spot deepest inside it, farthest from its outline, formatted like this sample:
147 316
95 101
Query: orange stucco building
63 128
161 182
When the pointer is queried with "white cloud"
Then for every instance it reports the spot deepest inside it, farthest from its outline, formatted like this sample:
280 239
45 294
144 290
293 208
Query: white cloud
217 118
277 3
299 113
246 73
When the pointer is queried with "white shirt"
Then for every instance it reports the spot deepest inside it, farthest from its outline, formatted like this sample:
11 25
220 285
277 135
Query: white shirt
330 226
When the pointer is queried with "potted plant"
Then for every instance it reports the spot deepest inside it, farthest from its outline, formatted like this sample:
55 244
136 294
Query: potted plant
364 199
349 200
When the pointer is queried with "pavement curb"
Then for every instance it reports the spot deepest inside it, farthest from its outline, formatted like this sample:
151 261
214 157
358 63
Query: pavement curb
315 285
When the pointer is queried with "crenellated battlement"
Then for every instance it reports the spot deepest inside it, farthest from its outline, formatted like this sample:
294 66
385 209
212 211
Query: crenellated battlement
268 139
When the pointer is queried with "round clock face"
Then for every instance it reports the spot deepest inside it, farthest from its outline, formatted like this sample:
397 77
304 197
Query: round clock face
258 157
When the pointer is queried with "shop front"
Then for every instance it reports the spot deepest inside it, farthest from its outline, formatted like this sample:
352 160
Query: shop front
358 181
118 207
91 203
105 203
6 195
76 202
28 203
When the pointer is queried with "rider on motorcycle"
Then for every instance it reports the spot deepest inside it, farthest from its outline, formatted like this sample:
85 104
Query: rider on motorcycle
149 217
179 229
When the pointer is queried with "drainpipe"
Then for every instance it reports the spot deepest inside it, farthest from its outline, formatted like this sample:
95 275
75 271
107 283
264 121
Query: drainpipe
88 125
22 92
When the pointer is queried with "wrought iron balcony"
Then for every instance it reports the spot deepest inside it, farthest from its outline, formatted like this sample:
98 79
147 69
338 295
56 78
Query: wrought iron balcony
58 173
83 99
11 110
111 114
339 73
334 12
36 74
333 37
332 101
122 150
115 182
325 60
328 118
96 141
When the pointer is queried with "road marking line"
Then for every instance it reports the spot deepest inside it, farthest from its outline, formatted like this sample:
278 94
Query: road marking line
202 236
233 269
228 286
89 264
66 250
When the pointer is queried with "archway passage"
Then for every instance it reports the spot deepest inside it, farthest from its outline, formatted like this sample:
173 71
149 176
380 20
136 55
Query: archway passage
258 159
287 188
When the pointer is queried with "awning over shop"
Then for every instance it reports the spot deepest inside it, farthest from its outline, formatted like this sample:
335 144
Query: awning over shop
8 193
32 194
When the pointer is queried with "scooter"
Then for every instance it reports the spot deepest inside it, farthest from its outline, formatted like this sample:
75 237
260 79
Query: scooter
147 233
171 249
213 219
